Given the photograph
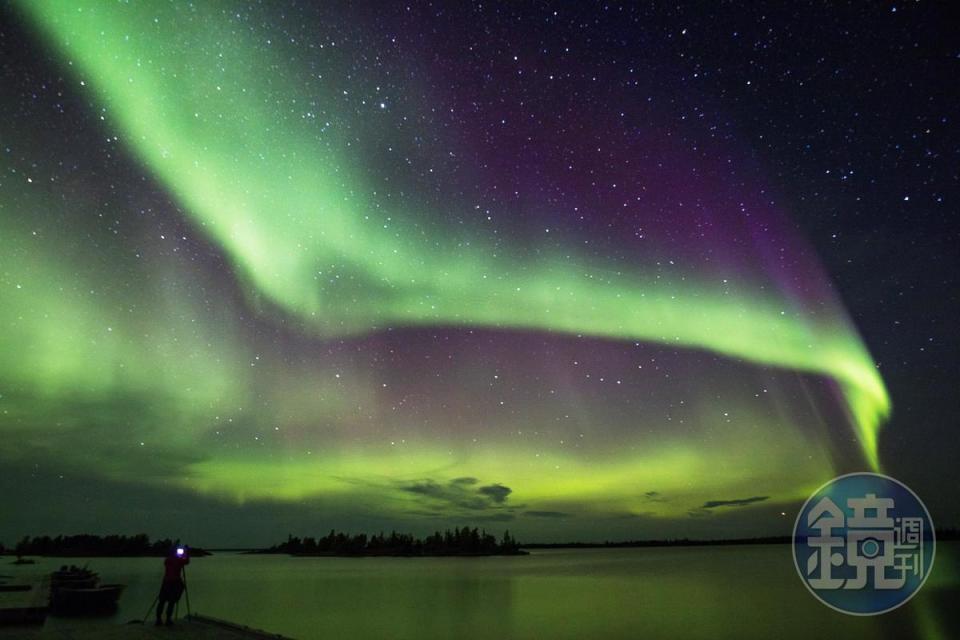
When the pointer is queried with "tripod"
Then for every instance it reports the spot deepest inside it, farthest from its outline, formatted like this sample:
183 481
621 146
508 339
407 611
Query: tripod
156 600
186 592
147 614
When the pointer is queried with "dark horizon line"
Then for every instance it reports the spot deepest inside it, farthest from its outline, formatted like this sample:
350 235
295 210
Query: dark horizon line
619 543
942 533
945 534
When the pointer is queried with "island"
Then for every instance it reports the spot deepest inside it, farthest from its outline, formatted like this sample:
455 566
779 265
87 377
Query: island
94 546
459 542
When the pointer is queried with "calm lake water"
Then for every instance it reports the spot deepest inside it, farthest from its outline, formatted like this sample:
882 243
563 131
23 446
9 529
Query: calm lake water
705 592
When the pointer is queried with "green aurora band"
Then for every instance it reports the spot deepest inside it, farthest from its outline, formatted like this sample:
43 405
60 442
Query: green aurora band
296 219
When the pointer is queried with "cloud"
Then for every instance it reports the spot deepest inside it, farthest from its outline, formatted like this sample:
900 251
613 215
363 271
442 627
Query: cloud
546 514
496 492
739 502
461 494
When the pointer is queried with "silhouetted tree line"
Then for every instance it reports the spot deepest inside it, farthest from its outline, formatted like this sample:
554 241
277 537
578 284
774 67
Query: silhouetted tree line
92 545
459 542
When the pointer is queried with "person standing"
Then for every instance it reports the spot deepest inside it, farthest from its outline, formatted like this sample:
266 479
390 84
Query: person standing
172 586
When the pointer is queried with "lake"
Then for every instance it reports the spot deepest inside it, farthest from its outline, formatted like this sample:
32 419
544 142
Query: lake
699 592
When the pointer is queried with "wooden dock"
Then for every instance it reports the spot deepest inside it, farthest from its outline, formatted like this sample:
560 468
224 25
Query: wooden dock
25 601
194 627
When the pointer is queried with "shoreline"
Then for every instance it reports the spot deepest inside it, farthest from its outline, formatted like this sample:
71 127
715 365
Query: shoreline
945 535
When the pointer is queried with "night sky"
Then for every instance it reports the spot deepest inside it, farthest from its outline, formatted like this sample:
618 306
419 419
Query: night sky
584 272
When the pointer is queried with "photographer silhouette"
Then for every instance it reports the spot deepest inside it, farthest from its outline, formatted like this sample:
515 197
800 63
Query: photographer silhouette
172 586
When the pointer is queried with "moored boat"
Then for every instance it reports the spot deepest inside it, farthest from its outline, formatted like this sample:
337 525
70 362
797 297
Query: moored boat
75 577
77 591
85 600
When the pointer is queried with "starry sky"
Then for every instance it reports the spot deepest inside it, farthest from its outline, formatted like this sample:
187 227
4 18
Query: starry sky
583 272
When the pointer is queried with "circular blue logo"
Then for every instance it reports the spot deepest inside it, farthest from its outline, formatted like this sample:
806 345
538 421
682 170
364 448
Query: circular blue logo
863 544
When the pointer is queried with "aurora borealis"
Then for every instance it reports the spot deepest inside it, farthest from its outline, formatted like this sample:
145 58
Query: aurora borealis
335 262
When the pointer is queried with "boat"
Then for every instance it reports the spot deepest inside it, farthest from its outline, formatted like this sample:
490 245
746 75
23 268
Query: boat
86 582
85 600
77 591
73 571
75 577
